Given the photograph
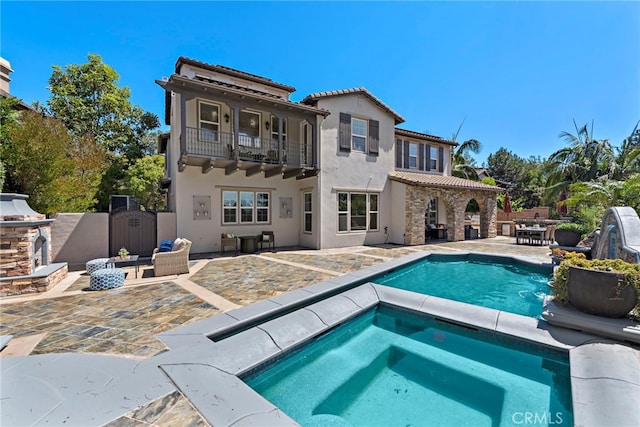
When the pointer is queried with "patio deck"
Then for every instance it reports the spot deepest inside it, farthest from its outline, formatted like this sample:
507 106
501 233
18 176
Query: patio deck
125 321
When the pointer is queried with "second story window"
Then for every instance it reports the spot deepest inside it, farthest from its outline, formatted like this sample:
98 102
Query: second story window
209 121
413 156
358 134
249 128
433 158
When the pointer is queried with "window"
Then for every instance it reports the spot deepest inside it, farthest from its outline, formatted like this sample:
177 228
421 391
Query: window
245 207
433 158
358 134
209 121
274 131
373 212
413 156
431 213
357 212
308 216
249 129
229 207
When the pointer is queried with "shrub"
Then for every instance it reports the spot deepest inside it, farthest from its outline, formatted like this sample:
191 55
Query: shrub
573 226
561 275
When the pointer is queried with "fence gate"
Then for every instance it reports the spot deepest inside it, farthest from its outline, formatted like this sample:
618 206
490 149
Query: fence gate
133 229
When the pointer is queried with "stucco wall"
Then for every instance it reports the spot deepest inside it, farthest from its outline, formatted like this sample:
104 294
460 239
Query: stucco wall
77 238
205 234
354 171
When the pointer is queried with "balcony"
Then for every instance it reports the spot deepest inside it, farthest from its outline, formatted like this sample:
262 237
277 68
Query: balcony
211 149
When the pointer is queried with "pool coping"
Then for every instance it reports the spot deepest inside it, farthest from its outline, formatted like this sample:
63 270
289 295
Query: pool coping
603 393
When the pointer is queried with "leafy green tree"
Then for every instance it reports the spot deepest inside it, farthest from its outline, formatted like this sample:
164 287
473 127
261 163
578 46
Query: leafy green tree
89 101
142 181
627 159
58 173
8 115
462 162
522 176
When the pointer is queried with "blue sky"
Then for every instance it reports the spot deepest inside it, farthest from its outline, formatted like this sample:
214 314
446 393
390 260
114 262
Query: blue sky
518 73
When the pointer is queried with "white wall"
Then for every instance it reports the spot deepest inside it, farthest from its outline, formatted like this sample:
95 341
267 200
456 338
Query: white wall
354 171
398 195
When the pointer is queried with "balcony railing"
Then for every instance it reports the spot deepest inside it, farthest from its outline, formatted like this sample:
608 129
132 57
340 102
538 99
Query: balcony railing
208 143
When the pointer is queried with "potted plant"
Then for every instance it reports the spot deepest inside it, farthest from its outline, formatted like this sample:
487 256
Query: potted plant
570 233
123 253
604 287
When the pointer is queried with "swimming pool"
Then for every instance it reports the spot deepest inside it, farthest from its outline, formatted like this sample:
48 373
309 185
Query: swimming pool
391 367
492 282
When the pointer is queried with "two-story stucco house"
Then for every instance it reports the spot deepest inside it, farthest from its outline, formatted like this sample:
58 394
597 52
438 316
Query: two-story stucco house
330 171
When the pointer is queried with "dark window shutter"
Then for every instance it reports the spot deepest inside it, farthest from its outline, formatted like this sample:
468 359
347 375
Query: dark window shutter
441 161
428 156
374 137
398 153
344 131
421 157
406 154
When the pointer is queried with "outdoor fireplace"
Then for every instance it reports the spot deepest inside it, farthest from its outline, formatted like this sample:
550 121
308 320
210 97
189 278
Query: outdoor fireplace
25 248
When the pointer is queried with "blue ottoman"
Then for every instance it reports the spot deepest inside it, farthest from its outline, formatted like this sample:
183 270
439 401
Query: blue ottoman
96 264
106 278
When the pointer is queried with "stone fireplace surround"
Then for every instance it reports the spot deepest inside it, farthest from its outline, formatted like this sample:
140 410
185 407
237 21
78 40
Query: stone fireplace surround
25 249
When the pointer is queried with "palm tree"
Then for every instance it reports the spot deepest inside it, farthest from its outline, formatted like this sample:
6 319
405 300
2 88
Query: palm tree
463 165
585 159
627 159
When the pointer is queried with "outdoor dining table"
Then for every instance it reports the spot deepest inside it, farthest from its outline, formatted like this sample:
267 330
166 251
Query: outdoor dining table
527 233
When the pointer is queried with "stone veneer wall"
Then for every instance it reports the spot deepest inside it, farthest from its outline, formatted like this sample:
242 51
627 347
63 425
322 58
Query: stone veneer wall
29 285
16 249
456 201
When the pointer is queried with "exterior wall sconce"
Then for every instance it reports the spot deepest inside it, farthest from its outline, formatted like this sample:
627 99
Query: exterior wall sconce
226 117
267 125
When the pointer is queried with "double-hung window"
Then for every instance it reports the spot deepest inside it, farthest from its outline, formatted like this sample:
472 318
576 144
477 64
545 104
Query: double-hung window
357 212
433 158
308 216
209 121
245 207
358 134
413 156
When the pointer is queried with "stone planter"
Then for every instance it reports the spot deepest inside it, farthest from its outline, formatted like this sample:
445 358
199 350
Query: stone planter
567 237
602 293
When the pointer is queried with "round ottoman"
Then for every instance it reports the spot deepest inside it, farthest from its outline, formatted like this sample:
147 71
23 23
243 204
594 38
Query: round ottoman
96 264
106 278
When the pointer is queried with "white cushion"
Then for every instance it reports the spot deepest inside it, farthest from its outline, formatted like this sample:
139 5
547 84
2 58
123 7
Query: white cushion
178 244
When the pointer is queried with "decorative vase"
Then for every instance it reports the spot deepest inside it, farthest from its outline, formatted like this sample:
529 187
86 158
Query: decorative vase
567 237
603 293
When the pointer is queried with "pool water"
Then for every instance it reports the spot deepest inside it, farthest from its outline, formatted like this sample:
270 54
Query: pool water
395 368
475 279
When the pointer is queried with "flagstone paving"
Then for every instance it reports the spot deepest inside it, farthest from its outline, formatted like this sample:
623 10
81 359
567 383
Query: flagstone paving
248 279
342 263
120 321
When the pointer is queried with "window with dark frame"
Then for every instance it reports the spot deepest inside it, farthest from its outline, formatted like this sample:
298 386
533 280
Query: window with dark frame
308 215
245 207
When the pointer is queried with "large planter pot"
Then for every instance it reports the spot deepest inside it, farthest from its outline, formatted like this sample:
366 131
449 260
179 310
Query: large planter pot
602 293
567 237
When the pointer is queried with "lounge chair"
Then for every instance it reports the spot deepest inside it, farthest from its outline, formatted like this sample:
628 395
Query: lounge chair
174 262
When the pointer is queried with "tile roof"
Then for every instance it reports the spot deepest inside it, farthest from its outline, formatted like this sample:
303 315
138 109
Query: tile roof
231 72
427 180
314 97
231 88
424 136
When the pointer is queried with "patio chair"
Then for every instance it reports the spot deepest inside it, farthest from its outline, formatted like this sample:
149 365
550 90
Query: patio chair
268 238
228 240
550 234
174 262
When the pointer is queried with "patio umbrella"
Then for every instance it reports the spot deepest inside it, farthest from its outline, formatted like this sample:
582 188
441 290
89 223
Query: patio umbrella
562 208
507 203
